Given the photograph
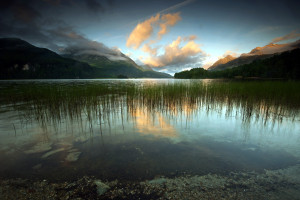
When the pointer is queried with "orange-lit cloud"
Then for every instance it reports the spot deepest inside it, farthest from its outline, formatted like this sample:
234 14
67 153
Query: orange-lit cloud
148 49
142 32
167 21
175 54
189 38
292 35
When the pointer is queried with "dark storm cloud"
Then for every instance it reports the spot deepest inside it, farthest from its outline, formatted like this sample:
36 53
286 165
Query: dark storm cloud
24 12
75 43
39 23
94 6
293 7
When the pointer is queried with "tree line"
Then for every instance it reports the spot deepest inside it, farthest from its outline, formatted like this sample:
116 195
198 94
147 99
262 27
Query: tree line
285 65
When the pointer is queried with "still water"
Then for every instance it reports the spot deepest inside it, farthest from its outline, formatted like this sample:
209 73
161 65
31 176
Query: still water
131 135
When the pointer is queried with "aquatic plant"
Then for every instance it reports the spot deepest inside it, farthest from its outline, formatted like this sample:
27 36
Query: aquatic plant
100 102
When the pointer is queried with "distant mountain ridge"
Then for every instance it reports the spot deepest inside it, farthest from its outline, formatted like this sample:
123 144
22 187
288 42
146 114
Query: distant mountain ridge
221 61
258 53
261 50
242 60
21 60
284 65
125 67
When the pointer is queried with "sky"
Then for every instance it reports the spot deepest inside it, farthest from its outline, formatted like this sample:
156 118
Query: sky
168 35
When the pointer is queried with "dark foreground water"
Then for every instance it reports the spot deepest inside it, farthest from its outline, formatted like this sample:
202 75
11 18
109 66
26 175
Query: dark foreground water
130 141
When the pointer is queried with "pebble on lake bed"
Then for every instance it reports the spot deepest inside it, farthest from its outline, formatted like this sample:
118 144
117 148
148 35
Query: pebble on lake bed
73 156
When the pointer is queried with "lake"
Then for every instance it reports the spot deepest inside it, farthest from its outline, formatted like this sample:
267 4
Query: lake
144 129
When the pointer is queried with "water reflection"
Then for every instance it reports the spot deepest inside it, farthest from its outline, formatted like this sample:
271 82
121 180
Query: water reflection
143 128
52 103
155 124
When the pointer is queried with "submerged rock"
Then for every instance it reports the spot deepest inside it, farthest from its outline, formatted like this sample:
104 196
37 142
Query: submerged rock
39 148
101 187
73 156
50 153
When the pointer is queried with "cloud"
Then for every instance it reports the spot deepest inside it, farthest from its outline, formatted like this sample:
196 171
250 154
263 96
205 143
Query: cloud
176 6
144 30
263 30
148 49
30 9
168 20
94 5
169 9
25 12
28 21
292 35
77 44
176 55
189 38
129 54
141 32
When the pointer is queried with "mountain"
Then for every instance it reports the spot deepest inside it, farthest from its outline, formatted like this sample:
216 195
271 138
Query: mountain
268 49
281 65
121 65
258 53
21 60
242 60
222 61
146 68
273 48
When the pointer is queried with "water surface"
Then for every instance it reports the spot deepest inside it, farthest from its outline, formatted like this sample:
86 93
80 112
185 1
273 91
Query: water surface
145 128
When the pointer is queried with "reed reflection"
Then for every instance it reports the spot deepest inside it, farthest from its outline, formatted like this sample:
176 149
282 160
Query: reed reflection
151 107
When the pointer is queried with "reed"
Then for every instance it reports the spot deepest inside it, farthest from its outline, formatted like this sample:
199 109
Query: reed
52 103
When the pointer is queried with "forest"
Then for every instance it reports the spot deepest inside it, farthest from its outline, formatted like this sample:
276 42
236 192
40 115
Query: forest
285 65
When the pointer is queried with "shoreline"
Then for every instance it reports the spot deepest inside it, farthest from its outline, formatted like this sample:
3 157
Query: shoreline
271 184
